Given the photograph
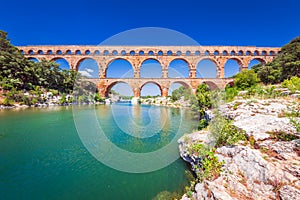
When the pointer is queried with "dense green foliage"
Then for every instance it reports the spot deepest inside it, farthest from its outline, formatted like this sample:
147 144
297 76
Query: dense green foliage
246 79
224 132
209 167
18 72
284 66
292 84
181 92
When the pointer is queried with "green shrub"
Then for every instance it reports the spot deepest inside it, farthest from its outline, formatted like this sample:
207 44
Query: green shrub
209 167
246 79
292 84
224 132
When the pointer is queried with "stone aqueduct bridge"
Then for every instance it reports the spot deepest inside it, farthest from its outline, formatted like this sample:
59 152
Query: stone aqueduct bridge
136 55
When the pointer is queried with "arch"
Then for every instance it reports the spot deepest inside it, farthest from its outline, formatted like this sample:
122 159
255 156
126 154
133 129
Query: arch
240 53
248 53
229 84
115 52
63 63
59 52
232 53
119 68
264 53
197 53
150 53
206 68
151 89
178 68
169 53
188 53
178 53
272 53
256 53
216 53
176 84
256 61
211 85
33 59
206 53
232 67
22 52
97 52
141 53
151 68
123 88
106 52
160 53
225 53
88 67
123 52
87 52
132 53
49 52
77 52
31 52
40 52
69 52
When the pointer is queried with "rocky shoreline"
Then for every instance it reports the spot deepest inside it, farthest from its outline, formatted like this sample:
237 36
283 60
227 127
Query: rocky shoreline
266 167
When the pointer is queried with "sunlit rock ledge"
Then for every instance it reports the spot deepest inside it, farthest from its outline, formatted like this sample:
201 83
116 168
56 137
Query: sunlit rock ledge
267 169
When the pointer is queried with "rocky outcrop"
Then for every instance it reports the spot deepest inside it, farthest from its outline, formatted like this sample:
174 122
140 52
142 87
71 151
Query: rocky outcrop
266 169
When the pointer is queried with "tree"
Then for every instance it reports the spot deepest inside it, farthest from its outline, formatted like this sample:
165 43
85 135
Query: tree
246 79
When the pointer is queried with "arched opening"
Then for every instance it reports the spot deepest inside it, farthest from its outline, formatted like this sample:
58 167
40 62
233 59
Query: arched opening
241 53
211 85
141 53
63 63
97 52
206 69
33 59
49 52
88 67
225 53
197 53
115 52
119 68
230 84
180 88
151 68
22 52
150 53
206 53
263 53
132 53
119 90
178 68
151 89
232 67
232 53
77 52
216 53
160 53
248 53
123 52
256 53
169 53
31 52
59 52
87 52
255 61
178 53
187 53
68 52
106 52
272 53
40 52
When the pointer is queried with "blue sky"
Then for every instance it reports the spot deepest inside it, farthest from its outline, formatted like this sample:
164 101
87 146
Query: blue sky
253 23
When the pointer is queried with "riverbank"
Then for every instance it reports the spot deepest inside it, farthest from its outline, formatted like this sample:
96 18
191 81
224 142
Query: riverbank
266 166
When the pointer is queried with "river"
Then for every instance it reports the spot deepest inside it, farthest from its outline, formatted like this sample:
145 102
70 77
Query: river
44 154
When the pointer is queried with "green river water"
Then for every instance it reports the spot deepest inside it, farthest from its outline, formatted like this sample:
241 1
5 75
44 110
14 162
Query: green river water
43 157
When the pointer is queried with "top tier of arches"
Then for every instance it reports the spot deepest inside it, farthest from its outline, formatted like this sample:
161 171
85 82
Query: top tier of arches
150 51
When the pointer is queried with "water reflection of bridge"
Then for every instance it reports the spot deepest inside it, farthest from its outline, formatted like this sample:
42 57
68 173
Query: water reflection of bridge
136 55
